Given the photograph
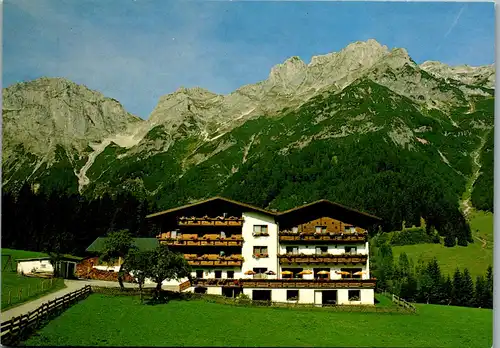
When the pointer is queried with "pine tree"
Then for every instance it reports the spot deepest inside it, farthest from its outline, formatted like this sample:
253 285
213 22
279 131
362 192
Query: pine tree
481 293
403 265
434 272
467 290
446 291
489 288
456 298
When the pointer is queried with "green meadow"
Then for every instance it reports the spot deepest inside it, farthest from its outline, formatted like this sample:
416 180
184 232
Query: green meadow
104 320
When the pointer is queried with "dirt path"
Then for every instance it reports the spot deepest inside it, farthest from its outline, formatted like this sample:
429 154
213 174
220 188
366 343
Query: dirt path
466 204
71 285
485 243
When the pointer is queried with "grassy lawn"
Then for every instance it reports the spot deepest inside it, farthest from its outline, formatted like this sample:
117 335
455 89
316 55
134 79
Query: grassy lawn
103 320
13 282
475 257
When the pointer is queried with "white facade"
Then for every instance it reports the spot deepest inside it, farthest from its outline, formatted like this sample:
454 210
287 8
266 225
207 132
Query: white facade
34 266
307 296
260 254
43 265
334 249
270 242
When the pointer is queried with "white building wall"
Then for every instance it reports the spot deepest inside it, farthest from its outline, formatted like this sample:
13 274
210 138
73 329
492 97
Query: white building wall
367 297
334 249
107 268
214 290
271 262
209 273
27 267
280 295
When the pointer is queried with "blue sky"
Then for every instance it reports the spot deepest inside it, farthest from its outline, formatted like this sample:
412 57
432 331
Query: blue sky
136 51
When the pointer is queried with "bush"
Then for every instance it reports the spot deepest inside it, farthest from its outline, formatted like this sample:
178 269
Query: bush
409 236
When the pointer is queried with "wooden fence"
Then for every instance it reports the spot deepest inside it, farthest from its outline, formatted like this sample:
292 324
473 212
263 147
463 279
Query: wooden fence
18 328
400 302
15 295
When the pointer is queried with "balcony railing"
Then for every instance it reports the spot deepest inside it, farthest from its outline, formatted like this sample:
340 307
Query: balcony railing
323 258
202 241
214 260
291 283
287 236
210 221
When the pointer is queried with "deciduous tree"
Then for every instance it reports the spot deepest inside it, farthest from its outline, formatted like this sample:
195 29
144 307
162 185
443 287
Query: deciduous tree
117 245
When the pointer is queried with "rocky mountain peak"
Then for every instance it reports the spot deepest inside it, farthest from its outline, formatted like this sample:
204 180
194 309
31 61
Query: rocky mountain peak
49 111
481 76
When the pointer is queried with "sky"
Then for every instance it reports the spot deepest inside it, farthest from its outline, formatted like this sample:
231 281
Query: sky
137 51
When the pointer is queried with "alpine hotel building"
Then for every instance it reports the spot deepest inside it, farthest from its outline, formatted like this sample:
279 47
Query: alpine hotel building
316 253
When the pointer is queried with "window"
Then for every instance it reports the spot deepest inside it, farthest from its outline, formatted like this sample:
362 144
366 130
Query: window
223 234
199 273
295 229
260 230
260 251
218 274
321 250
292 250
42 265
230 274
292 295
354 295
320 229
350 249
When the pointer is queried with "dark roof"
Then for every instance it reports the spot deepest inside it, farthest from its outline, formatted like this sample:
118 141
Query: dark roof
143 244
213 199
63 258
322 204
327 202
311 211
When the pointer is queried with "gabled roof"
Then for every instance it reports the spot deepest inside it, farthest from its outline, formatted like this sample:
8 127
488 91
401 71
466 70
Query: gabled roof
213 199
323 208
143 244
327 202
322 203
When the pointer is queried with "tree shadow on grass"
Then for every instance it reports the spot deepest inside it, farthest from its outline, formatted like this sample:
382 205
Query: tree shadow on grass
165 296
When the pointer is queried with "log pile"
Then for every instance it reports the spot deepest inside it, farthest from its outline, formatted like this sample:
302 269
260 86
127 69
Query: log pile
86 270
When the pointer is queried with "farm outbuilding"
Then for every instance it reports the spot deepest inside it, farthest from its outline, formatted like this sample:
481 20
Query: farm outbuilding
42 266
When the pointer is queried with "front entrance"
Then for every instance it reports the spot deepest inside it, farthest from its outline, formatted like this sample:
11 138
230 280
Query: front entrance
261 295
329 297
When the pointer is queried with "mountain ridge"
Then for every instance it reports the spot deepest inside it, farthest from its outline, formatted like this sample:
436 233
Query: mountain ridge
196 143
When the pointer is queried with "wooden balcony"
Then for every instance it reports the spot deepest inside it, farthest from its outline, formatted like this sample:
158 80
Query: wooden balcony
322 238
210 221
323 258
285 283
235 240
214 260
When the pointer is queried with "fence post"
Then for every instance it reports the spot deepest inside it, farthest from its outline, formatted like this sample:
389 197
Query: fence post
20 294
10 297
29 288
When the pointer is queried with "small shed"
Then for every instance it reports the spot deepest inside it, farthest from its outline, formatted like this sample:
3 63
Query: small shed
39 266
